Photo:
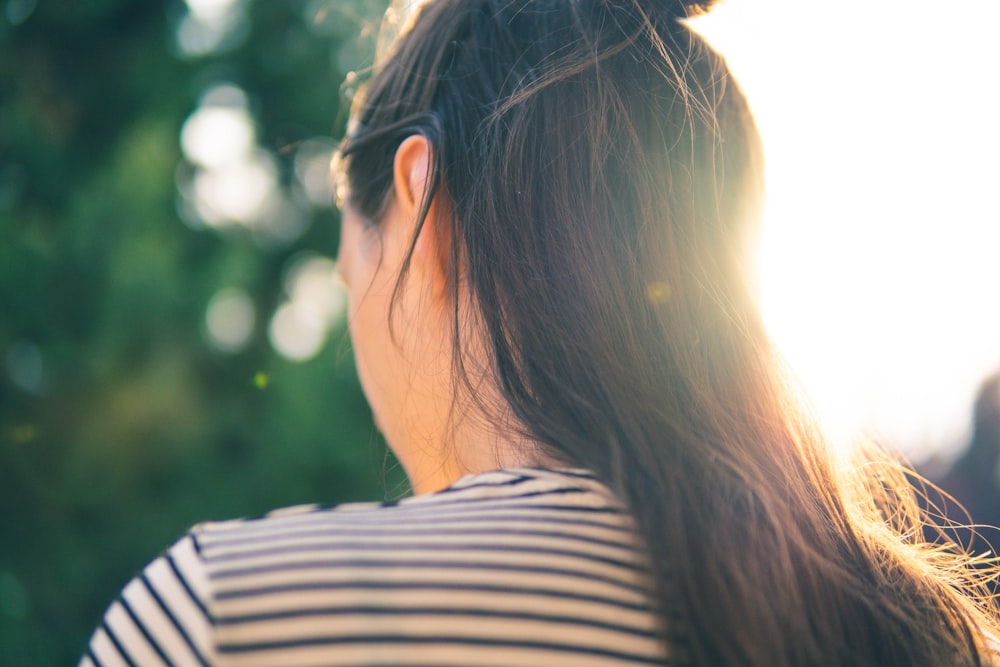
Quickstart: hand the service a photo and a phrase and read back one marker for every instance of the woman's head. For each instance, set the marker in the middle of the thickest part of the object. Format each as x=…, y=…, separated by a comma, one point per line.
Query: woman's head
x=592, y=192
x=550, y=212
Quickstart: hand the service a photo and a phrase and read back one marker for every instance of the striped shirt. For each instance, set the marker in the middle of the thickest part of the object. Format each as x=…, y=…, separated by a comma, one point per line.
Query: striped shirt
x=513, y=567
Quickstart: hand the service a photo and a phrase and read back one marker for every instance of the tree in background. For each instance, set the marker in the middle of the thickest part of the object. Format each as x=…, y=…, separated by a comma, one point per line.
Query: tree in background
x=172, y=345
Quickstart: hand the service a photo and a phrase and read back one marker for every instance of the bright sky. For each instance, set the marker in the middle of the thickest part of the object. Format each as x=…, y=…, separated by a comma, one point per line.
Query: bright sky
x=882, y=249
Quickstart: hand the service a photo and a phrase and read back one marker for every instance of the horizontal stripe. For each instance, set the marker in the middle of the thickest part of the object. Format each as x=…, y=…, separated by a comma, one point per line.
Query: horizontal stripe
x=362, y=585
x=516, y=475
x=482, y=485
x=499, y=617
x=437, y=611
x=262, y=529
x=422, y=502
x=428, y=655
x=312, y=602
x=339, y=538
x=445, y=639
x=370, y=564
x=411, y=549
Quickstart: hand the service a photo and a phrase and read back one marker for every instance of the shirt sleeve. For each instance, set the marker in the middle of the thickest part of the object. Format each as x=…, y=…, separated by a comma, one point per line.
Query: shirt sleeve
x=162, y=617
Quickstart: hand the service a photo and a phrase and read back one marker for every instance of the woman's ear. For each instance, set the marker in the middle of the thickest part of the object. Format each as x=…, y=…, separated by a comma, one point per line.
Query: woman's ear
x=411, y=174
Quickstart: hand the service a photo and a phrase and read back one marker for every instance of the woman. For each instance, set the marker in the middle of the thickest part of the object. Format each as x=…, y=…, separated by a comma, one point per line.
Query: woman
x=549, y=208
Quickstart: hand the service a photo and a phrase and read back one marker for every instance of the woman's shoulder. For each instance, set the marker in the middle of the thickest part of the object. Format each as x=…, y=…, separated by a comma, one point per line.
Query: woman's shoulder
x=515, y=500
x=500, y=566
x=509, y=560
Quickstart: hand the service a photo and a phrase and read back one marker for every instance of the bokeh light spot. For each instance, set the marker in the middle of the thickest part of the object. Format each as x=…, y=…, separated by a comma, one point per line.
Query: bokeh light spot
x=316, y=303
x=229, y=319
x=214, y=137
x=312, y=168
x=24, y=366
x=261, y=380
x=210, y=10
x=23, y=434
x=313, y=283
x=296, y=333
x=18, y=11
x=237, y=192
x=211, y=26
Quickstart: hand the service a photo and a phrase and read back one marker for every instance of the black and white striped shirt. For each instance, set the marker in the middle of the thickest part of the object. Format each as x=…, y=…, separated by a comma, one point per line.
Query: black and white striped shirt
x=514, y=567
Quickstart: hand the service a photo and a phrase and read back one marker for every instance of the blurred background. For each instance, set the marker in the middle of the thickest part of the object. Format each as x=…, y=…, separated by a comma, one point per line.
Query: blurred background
x=172, y=343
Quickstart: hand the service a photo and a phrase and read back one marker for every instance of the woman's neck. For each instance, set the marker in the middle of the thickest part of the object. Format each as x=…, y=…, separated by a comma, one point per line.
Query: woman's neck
x=453, y=461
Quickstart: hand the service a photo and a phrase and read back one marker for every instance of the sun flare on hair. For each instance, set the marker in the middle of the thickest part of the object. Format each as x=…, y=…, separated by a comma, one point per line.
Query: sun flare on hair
x=881, y=252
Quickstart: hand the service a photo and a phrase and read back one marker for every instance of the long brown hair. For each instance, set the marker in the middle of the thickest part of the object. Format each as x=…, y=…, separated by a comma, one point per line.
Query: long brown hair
x=603, y=174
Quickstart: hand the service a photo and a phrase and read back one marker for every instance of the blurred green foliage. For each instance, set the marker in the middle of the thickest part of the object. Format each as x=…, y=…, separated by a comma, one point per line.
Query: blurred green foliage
x=120, y=424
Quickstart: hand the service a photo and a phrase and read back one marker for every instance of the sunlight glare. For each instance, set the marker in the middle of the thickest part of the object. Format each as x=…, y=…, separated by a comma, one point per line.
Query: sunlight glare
x=882, y=235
